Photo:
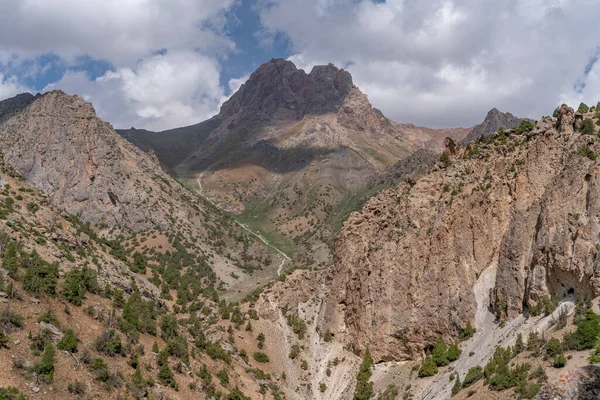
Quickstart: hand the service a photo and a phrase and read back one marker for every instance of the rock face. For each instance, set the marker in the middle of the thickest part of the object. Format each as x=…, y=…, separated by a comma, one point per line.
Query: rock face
x=278, y=89
x=406, y=265
x=59, y=145
x=494, y=120
x=14, y=105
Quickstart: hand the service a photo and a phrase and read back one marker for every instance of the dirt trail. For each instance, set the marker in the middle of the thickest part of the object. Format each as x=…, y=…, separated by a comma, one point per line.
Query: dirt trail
x=257, y=235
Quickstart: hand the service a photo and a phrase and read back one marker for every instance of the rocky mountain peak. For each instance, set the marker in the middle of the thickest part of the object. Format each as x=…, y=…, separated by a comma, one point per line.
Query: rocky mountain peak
x=494, y=120
x=14, y=105
x=278, y=89
x=59, y=145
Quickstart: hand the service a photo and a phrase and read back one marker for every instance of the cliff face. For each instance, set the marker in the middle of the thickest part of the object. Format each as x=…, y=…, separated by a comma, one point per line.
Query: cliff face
x=10, y=107
x=526, y=207
x=60, y=146
x=278, y=89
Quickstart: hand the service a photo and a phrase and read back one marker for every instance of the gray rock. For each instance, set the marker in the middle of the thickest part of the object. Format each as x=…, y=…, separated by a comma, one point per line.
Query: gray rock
x=55, y=332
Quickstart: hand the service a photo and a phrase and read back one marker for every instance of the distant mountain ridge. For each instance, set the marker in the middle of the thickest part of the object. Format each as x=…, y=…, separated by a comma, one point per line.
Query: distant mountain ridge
x=494, y=120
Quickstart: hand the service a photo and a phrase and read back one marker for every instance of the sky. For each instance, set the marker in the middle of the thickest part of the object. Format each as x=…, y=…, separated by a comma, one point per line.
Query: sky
x=160, y=64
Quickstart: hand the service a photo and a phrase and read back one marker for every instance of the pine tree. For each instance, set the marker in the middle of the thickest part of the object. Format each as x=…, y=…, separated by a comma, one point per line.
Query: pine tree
x=45, y=367
x=454, y=352
x=364, y=388
x=68, y=342
x=440, y=356
x=166, y=376
x=457, y=385
x=428, y=367
x=519, y=345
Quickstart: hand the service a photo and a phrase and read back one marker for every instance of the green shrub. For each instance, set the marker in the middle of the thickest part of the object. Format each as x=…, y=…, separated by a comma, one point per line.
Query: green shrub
x=294, y=351
x=11, y=393
x=587, y=127
x=586, y=333
x=586, y=151
x=260, y=357
x=68, y=342
x=364, y=386
x=3, y=339
x=45, y=367
x=439, y=354
x=298, y=325
x=583, y=108
x=595, y=355
x=554, y=347
x=76, y=388
x=428, y=367
x=77, y=283
x=40, y=276
x=559, y=361
x=223, y=377
x=473, y=375
x=444, y=159
x=454, y=352
x=524, y=127
x=457, y=386
x=468, y=332
x=168, y=326
x=109, y=343
x=166, y=376
x=10, y=320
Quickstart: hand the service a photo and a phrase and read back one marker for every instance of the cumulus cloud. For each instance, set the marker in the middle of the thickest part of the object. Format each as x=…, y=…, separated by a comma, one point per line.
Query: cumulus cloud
x=162, y=91
x=9, y=87
x=165, y=55
x=443, y=62
x=121, y=31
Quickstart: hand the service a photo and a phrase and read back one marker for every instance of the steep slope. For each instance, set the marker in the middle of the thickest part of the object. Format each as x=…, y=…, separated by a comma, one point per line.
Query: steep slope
x=14, y=105
x=59, y=278
x=59, y=145
x=524, y=206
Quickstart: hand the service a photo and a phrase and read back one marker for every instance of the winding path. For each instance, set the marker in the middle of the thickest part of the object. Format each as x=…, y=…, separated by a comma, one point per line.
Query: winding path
x=245, y=227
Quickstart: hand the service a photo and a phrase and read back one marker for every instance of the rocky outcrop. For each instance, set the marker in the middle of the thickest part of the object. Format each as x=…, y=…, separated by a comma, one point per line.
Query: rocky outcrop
x=277, y=89
x=406, y=265
x=14, y=105
x=60, y=146
x=581, y=383
x=494, y=120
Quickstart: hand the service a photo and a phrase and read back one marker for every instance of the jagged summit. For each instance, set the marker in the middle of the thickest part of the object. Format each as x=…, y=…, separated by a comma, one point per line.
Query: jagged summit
x=14, y=105
x=279, y=89
x=494, y=120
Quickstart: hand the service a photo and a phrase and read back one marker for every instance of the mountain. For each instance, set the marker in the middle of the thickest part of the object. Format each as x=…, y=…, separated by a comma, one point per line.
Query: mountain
x=290, y=152
x=14, y=105
x=58, y=145
x=118, y=280
x=494, y=120
x=505, y=229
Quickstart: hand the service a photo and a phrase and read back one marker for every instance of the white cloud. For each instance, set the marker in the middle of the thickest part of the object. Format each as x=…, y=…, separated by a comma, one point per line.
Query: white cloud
x=236, y=83
x=162, y=91
x=121, y=31
x=443, y=62
x=9, y=87
x=166, y=54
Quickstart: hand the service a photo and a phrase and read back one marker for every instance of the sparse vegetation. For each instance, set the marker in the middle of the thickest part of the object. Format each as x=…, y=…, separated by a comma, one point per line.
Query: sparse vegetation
x=364, y=386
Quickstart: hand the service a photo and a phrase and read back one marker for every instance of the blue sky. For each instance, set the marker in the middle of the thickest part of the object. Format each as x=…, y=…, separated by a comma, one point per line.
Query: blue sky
x=243, y=26
x=443, y=63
